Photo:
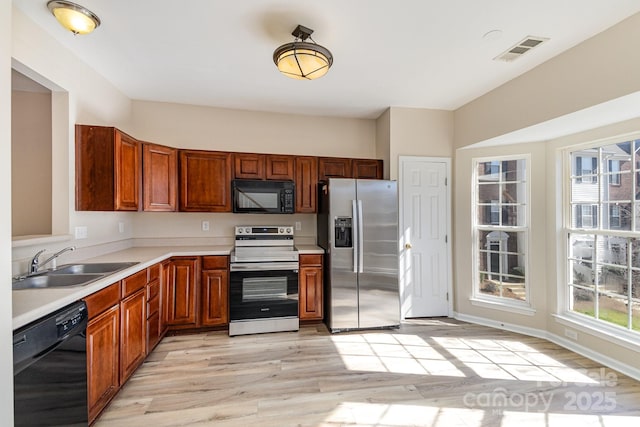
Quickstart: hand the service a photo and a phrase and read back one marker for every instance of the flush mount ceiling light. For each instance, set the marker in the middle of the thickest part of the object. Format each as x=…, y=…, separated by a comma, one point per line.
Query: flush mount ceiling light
x=73, y=17
x=302, y=60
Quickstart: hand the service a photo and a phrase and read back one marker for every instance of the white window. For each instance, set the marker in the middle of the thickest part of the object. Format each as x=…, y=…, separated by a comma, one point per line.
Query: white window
x=501, y=230
x=603, y=277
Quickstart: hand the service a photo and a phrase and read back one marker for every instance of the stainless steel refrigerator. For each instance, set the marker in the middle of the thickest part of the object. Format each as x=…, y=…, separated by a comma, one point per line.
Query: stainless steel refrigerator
x=358, y=228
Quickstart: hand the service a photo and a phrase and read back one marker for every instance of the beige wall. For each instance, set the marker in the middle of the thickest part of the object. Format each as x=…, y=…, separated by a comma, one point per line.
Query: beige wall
x=555, y=250
x=597, y=70
x=419, y=132
x=208, y=128
x=383, y=141
x=463, y=245
x=31, y=163
x=6, y=346
x=79, y=95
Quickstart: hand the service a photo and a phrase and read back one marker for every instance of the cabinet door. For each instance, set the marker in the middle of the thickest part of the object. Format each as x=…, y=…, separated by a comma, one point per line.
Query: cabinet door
x=182, y=292
x=279, y=167
x=127, y=173
x=333, y=167
x=205, y=181
x=310, y=280
x=165, y=274
x=160, y=176
x=306, y=184
x=103, y=360
x=367, y=168
x=249, y=165
x=107, y=169
x=154, y=331
x=133, y=333
x=214, y=297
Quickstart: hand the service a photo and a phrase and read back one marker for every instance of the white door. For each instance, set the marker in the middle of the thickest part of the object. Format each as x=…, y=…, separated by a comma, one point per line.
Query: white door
x=425, y=278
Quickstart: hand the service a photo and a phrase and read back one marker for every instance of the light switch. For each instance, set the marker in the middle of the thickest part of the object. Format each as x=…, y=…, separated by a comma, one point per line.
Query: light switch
x=205, y=225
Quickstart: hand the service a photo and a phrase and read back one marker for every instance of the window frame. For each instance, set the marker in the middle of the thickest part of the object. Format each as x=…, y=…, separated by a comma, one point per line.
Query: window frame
x=626, y=336
x=482, y=299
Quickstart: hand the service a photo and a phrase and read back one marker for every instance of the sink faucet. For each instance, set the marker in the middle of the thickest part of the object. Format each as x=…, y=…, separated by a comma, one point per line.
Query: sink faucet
x=35, y=264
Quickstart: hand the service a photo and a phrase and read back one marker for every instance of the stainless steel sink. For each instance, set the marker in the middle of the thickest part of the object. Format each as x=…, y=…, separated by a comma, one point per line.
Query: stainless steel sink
x=79, y=274
x=55, y=281
x=92, y=268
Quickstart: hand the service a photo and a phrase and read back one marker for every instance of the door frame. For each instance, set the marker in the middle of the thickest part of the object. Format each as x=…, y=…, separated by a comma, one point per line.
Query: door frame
x=447, y=162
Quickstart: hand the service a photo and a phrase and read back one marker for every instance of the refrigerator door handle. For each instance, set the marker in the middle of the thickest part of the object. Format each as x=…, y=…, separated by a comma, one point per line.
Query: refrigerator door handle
x=360, y=239
x=356, y=241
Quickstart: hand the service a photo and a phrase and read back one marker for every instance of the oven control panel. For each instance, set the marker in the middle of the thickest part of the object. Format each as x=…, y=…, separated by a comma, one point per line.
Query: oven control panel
x=261, y=230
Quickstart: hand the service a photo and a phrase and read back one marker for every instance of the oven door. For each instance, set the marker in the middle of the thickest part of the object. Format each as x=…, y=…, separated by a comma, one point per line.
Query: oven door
x=263, y=290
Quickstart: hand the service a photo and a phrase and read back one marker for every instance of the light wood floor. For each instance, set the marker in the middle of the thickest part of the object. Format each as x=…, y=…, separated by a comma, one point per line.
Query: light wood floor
x=428, y=373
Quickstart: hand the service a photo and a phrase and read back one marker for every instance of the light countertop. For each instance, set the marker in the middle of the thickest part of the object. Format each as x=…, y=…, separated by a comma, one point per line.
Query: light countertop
x=31, y=304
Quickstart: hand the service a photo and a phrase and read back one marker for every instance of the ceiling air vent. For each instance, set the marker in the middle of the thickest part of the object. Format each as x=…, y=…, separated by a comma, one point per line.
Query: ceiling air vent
x=520, y=48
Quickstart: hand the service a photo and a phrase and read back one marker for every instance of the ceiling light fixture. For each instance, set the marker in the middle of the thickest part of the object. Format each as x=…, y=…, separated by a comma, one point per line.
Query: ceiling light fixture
x=302, y=60
x=73, y=17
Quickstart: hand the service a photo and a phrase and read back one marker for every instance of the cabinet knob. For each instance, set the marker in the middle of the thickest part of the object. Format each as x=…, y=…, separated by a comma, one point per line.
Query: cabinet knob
x=407, y=246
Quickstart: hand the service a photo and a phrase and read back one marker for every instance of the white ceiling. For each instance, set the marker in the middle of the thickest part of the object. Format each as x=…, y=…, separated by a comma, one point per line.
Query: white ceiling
x=408, y=53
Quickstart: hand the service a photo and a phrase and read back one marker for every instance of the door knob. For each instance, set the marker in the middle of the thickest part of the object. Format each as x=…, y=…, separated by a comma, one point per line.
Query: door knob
x=407, y=245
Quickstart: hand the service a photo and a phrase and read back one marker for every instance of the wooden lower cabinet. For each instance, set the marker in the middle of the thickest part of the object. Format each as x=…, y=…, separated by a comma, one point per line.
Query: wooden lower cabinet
x=182, y=292
x=103, y=360
x=310, y=288
x=133, y=333
x=154, y=324
x=214, y=308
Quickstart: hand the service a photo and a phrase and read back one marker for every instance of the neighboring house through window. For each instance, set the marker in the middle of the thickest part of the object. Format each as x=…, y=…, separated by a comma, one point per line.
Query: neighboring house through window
x=501, y=230
x=603, y=280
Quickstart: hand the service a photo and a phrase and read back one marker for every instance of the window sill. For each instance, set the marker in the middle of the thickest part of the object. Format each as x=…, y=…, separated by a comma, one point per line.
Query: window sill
x=598, y=329
x=511, y=307
x=23, y=241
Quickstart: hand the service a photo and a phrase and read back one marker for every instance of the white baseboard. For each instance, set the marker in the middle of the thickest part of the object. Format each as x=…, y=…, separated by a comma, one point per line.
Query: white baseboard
x=610, y=362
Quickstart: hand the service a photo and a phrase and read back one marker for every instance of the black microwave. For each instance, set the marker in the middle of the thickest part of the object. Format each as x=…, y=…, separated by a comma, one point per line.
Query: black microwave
x=252, y=196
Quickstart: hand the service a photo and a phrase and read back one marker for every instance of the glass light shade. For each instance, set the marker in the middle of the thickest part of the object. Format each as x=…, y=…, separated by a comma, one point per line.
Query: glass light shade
x=303, y=61
x=73, y=17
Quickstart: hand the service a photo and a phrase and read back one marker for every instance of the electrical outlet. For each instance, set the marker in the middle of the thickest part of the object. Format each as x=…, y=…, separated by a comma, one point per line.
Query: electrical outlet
x=81, y=232
x=569, y=333
x=205, y=225
x=121, y=227
x=298, y=226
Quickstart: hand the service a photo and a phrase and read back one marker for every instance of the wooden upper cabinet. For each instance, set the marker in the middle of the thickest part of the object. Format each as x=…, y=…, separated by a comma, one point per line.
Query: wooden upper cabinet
x=306, y=184
x=333, y=167
x=249, y=165
x=108, y=169
x=279, y=167
x=367, y=168
x=159, y=178
x=205, y=181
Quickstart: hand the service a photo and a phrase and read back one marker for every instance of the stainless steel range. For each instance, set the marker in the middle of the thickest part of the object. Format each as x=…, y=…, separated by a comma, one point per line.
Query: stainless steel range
x=263, y=290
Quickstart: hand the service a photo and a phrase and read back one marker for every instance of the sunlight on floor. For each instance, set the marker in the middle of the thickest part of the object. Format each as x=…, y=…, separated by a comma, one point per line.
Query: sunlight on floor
x=372, y=414
x=486, y=358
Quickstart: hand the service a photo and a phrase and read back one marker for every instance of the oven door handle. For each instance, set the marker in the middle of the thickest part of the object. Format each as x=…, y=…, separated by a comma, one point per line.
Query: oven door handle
x=265, y=266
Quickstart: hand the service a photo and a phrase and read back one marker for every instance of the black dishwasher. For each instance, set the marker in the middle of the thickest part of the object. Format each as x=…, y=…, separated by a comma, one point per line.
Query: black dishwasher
x=50, y=369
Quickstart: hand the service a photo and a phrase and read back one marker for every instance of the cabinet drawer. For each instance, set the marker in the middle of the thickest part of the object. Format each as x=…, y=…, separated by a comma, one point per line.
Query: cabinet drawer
x=310, y=260
x=133, y=283
x=215, y=262
x=153, y=290
x=153, y=307
x=154, y=272
x=103, y=299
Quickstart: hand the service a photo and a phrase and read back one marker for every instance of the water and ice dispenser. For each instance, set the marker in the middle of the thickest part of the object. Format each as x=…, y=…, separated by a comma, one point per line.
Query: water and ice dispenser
x=343, y=233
